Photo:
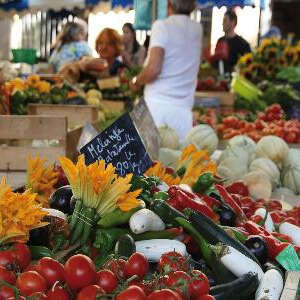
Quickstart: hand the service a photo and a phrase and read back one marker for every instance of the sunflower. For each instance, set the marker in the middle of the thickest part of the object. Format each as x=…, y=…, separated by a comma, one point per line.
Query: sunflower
x=159, y=171
x=14, y=85
x=247, y=73
x=43, y=87
x=19, y=213
x=246, y=60
x=257, y=70
x=41, y=179
x=283, y=62
x=290, y=55
x=264, y=44
x=271, y=53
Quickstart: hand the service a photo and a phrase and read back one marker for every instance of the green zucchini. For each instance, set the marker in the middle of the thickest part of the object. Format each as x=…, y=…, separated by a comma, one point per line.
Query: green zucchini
x=238, y=289
x=166, y=212
x=125, y=246
x=215, y=234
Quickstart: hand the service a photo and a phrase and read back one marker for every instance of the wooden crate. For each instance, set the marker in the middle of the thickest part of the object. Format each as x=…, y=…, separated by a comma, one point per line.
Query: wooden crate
x=225, y=98
x=116, y=106
x=77, y=115
x=28, y=128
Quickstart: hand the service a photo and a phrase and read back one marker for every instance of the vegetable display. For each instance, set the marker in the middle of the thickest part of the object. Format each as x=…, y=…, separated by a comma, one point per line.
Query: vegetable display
x=185, y=233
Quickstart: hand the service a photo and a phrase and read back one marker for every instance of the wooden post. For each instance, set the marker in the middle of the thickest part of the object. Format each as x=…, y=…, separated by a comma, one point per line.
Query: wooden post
x=154, y=10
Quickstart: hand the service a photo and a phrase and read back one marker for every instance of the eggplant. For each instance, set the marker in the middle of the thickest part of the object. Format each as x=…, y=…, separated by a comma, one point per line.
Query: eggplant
x=61, y=199
x=39, y=236
x=258, y=247
x=227, y=215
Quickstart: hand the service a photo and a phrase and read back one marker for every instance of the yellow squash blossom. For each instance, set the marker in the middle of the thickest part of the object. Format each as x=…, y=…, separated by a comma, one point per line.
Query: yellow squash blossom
x=159, y=171
x=41, y=179
x=99, y=187
x=19, y=213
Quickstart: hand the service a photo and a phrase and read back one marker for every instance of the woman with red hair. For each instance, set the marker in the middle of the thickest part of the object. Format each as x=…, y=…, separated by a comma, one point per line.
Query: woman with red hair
x=109, y=47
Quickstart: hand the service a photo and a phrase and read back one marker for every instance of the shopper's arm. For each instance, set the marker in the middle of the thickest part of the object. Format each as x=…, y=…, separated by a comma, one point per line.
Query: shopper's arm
x=152, y=69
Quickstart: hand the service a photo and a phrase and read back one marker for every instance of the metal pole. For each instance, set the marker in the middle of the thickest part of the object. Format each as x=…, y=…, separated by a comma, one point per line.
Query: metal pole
x=154, y=10
x=259, y=26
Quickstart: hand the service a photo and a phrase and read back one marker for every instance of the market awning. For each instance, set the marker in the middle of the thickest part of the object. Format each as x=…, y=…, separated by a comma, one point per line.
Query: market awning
x=203, y=3
x=12, y=6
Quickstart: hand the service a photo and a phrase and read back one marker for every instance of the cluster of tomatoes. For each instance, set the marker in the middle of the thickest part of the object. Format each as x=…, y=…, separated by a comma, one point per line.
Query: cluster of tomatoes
x=119, y=279
x=269, y=122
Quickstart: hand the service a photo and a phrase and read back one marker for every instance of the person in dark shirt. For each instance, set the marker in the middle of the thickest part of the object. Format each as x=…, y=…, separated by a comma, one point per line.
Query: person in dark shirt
x=236, y=45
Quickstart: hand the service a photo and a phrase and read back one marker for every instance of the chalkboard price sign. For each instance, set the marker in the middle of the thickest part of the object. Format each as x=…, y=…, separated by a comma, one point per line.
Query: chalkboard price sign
x=121, y=145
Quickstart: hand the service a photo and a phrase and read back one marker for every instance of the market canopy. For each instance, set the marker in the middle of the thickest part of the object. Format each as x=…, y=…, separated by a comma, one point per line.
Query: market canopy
x=35, y=5
x=202, y=3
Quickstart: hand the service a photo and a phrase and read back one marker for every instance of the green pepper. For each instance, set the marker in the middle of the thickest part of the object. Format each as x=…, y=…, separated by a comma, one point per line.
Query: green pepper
x=161, y=196
x=204, y=182
x=105, y=239
x=118, y=217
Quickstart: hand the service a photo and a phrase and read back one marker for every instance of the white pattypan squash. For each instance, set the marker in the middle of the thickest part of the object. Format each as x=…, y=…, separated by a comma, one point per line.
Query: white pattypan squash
x=291, y=171
x=259, y=185
x=272, y=147
x=168, y=137
x=268, y=167
x=203, y=137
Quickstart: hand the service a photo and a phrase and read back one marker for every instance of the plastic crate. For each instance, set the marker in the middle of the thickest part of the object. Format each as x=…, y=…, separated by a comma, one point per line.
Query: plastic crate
x=24, y=56
x=245, y=88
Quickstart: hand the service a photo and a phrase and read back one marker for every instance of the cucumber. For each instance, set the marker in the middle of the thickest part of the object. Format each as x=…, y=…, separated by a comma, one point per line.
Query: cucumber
x=238, y=289
x=215, y=234
x=166, y=212
x=125, y=246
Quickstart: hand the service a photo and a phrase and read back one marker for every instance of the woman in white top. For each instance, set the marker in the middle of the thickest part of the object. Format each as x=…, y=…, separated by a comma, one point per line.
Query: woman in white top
x=170, y=74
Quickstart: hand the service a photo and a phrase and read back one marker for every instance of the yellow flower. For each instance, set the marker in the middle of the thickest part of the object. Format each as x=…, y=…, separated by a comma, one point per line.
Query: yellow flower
x=98, y=186
x=16, y=84
x=199, y=162
x=246, y=59
x=33, y=80
x=271, y=53
x=290, y=55
x=159, y=171
x=43, y=87
x=19, y=214
x=41, y=179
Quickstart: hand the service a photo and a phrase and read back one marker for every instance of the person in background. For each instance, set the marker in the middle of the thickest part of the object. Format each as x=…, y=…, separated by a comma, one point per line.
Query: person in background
x=146, y=43
x=109, y=46
x=236, y=45
x=172, y=65
x=133, y=54
x=70, y=46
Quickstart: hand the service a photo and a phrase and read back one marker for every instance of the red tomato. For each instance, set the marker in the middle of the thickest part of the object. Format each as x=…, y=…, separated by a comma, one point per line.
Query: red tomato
x=205, y=297
x=80, y=271
x=32, y=267
x=171, y=262
x=38, y=296
x=199, y=284
x=31, y=282
x=137, y=264
x=22, y=255
x=145, y=286
x=7, y=276
x=117, y=266
x=51, y=270
x=7, y=260
x=132, y=293
x=107, y=280
x=90, y=292
x=6, y=292
x=164, y=294
x=179, y=280
x=57, y=293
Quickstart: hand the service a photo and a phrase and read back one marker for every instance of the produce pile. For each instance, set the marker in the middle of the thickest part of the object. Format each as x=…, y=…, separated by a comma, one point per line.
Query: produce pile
x=212, y=84
x=269, y=122
x=175, y=233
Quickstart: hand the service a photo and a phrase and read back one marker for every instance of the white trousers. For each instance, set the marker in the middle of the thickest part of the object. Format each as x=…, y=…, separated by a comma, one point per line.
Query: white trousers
x=178, y=117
